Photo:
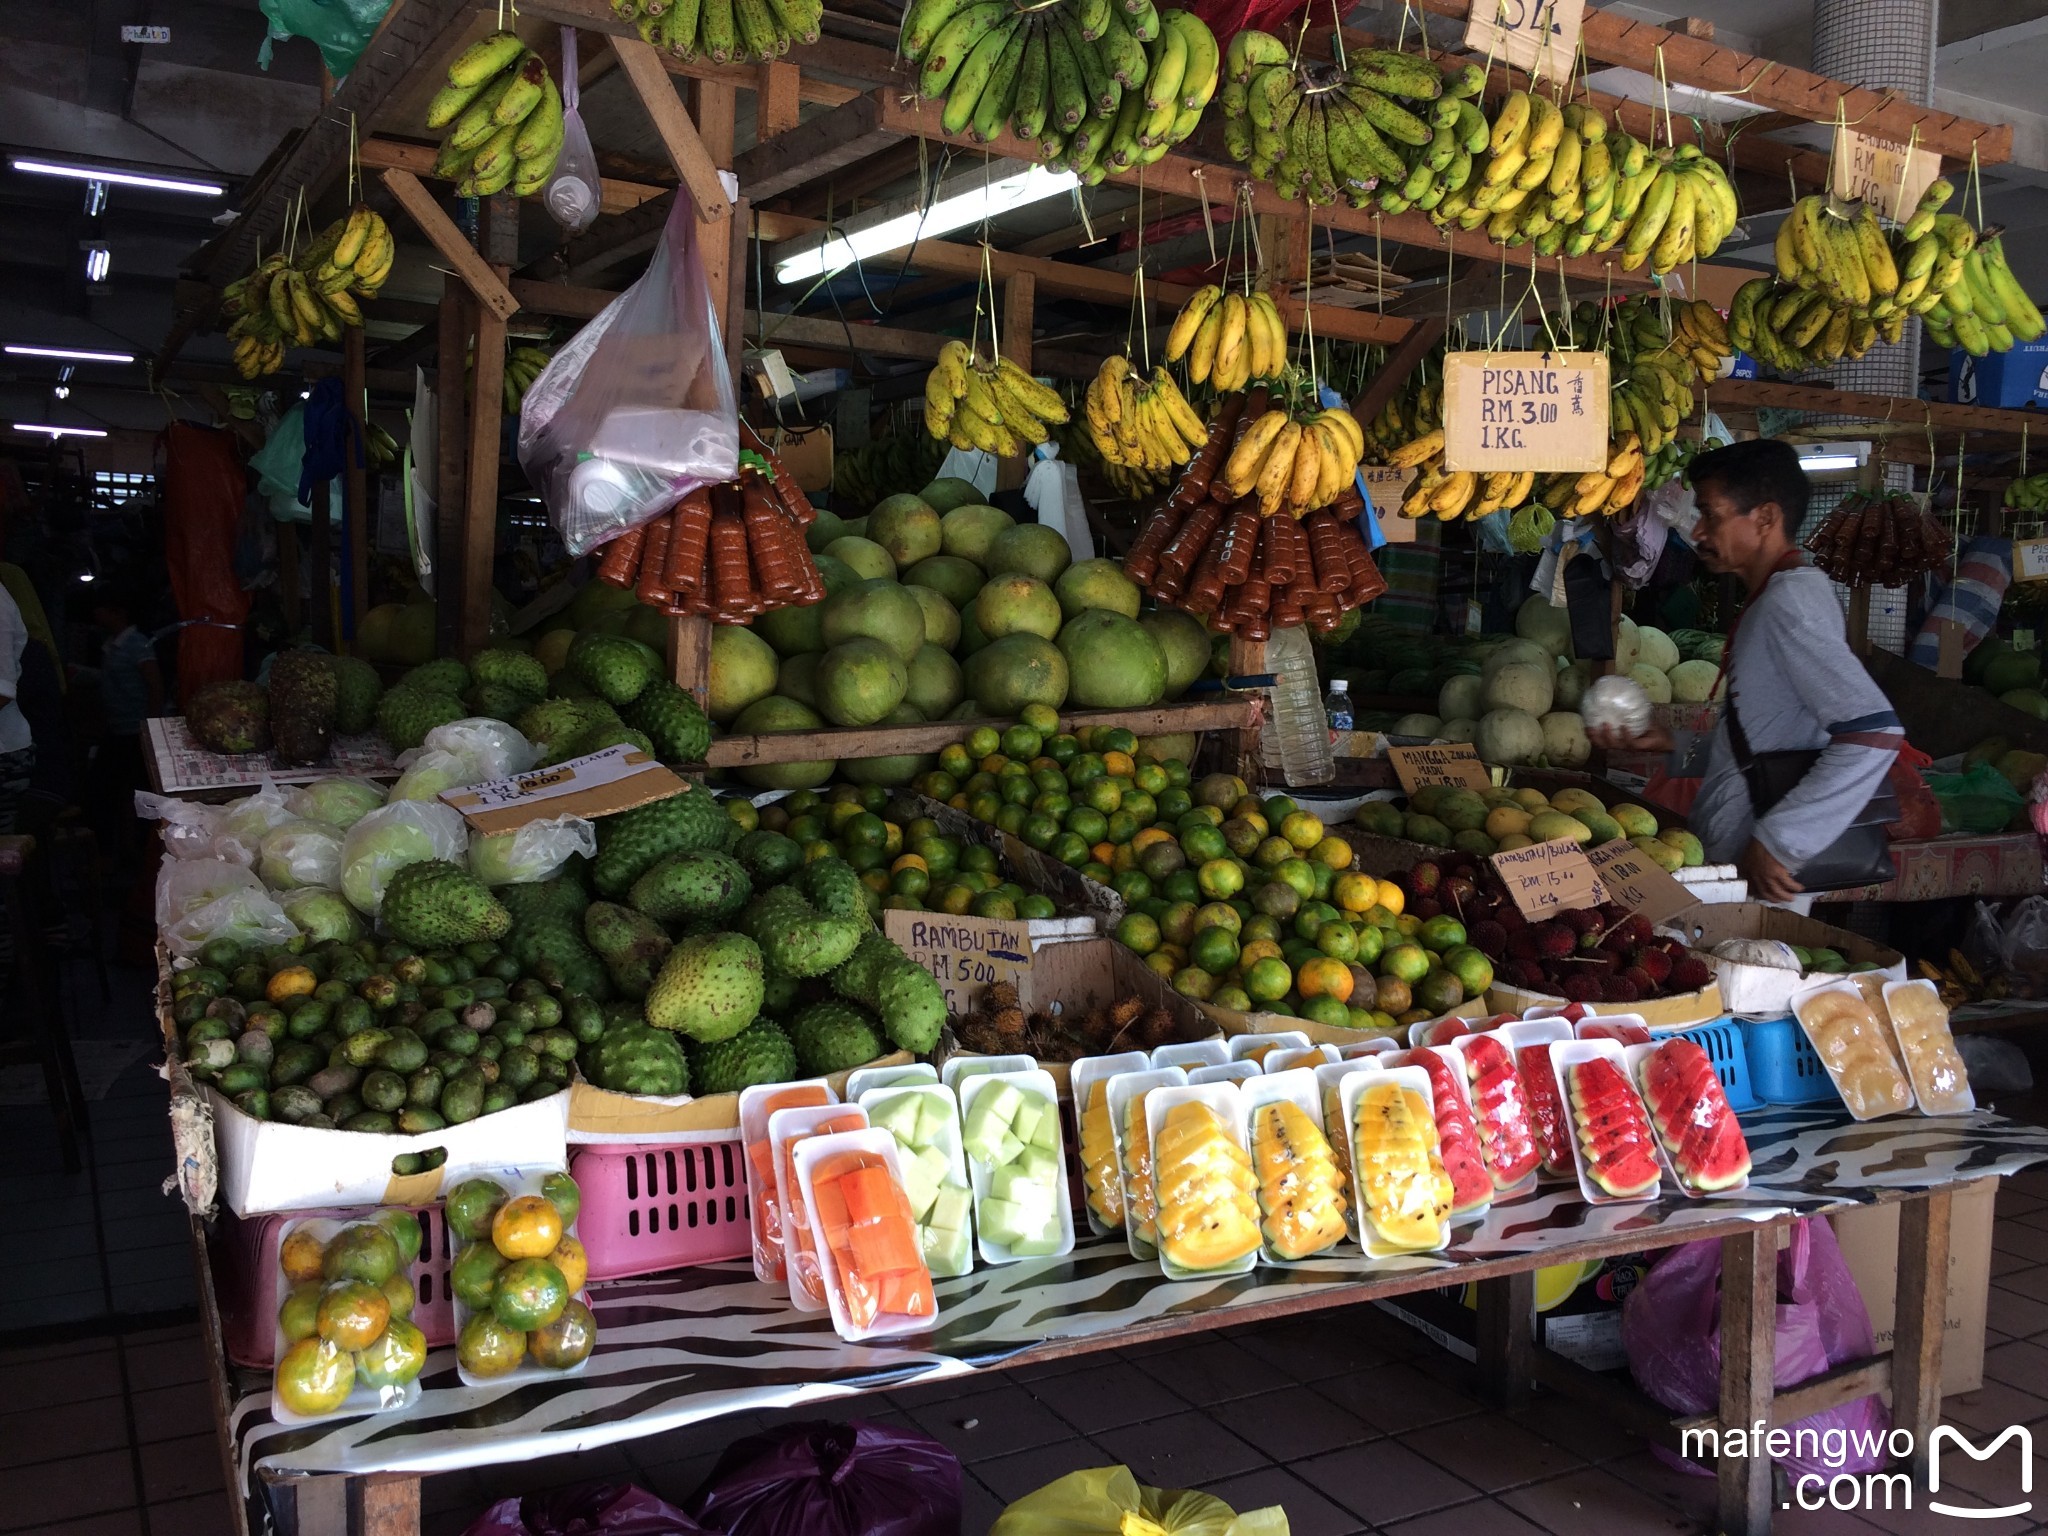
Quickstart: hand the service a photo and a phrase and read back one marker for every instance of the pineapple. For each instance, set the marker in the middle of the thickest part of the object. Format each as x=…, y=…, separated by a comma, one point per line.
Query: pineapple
x=1141, y=1209
x=1300, y=1190
x=1208, y=1217
x=1098, y=1159
x=1403, y=1188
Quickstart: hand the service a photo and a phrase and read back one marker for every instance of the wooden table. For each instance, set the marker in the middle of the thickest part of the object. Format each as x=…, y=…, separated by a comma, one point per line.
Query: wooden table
x=693, y=1345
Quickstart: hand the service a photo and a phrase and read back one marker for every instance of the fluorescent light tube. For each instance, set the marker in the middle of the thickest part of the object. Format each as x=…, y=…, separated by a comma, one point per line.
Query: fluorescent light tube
x=31, y=426
x=119, y=178
x=966, y=202
x=70, y=354
x=1818, y=462
x=98, y=262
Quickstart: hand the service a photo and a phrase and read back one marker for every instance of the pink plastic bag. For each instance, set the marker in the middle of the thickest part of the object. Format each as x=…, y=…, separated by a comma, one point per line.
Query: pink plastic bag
x=1670, y=1326
x=585, y=1509
x=637, y=409
x=829, y=1479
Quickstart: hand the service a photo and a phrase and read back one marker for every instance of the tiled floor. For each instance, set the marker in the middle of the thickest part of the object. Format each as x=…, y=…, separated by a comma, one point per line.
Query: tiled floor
x=1350, y=1420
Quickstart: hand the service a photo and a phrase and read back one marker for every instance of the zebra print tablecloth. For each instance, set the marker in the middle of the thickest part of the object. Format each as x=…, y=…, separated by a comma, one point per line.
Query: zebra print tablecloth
x=679, y=1348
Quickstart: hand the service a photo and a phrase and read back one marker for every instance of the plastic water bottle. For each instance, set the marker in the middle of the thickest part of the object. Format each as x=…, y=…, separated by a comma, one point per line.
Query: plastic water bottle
x=1337, y=707
x=1299, y=721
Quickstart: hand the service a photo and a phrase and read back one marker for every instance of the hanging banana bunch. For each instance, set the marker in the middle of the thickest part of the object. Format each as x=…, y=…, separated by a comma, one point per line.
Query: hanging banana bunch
x=380, y=449
x=503, y=113
x=724, y=31
x=523, y=364
x=295, y=303
x=1294, y=460
x=1139, y=422
x=1101, y=85
x=1229, y=339
x=996, y=407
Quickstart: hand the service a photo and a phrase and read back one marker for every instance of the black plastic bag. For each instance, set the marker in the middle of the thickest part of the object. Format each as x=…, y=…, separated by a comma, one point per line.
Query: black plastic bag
x=585, y=1509
x=829, y=1479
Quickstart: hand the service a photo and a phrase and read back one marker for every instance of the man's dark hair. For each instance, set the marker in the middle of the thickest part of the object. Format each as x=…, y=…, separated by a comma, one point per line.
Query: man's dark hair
x=1756, y=471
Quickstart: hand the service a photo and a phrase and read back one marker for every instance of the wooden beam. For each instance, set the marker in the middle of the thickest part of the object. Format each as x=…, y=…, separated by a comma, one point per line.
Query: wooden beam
x=615, y=196
x=1019, y=301
x=480, y=517
x=1920, y=1318
x=778, y=103
x=830, y=335
x=884, y=741
x=1412, y=349
x=451, y=462
x=564, y=299
x=476, y=273
x=686, y=151
x=801, y=155
x=356, y=481
x=1899, y=411
x=1612, y=38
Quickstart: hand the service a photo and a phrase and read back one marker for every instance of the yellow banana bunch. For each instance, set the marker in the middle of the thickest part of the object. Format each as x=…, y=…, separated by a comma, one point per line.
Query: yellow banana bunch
x=1229, y=339
x=296, y=303
x=1295, y=463
x=1141, y=423
x=380, y=449
x=996, y=407
x=503, y=116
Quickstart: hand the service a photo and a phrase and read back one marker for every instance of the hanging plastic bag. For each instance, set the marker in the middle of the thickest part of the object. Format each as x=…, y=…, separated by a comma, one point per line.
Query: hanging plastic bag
x=340, y=29
x=1671, y=1328
x=280, y=462
x=200, y=900
x=1110, y=1501
x=637, y=409
x=1978, y=800
x=300, y=852
x=573, y=194
x=244, y=823
x=532, y=852
x=490, y=749
x=385, y=841
x=2020, y=945
x=188, y=830
x=826, y=1479
x=585, y=1509
x=1919, y=812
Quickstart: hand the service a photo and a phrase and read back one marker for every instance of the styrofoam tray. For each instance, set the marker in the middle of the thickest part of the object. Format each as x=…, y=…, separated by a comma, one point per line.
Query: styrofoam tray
x=1360, y=1049
x=1299, y=1056
x=1122, y=1089
x=1227, y=1072
x=764, y=1215
x=1196, y=1053
x=1227, y=1100
x=1336, y=1129
x=1592, y=1027
x=362, y=1397
x=1039, y=1083
x=959, y=1066
x=1458, y=1047
x=525, y=1183
x=1082, y=1076
x=1540, y=1034
x=949, y=1143
x=809, y=1153
x=1456, y=1064
x=1296, y=1086
x=1242, y=1046
x=1563, y=1055
x=1637, y=1056
x=862, y=1080
x=802, y=1267
x=1354, y=1087
x=1829, y=1060
x=1918, y=1073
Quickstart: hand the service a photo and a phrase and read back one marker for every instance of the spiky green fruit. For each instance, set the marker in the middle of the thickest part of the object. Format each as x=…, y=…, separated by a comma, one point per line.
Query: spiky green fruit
x=638, y=1058
x=632, y=842
x=795, y=936
x=679, y=729
x=445, y=675
x=631, y=944
x=405, y=715
x=357, y=688
x=709, y=988
x=701, y=884
x=833, y=1036
x=761, y=1054
x=505, y=668
x=435, y=904
x=613, y=667
x=302, y=705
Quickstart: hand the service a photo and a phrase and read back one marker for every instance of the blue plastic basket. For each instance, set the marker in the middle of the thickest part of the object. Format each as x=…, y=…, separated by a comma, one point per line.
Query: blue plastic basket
x=1783, y=1067
x=1723, y=1043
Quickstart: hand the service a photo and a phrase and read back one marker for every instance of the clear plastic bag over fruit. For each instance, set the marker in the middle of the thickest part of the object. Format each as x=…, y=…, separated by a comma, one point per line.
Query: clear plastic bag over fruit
x=637, y=409
x=188, y=830
x=200, y=900
x=1618, y=703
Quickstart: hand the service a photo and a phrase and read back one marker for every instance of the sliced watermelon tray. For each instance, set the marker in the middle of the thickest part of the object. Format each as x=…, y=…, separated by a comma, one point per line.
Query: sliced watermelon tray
x=1695, y=1125
x=1612, y=1139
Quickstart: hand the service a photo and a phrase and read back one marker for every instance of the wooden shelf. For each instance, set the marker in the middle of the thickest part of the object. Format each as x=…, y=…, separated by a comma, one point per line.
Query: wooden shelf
x=1901, y=412
x=895, y=740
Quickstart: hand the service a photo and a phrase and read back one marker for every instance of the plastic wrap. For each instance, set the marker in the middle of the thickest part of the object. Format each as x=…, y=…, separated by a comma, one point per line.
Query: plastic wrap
x=573, y=195
x=1978, y=800
x=188, y=830
x=532, y=852
x=828, y=1479
x=300, y=852
x=340, y=802
x=1619, y=703
x=244, y=823
x=322, y=914
x=637, y=409
x=490, y=748
x=200, y=900
x=388, y=839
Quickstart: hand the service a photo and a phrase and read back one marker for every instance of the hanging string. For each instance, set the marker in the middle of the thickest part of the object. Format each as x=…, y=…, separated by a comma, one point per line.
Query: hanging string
x=1208, y=225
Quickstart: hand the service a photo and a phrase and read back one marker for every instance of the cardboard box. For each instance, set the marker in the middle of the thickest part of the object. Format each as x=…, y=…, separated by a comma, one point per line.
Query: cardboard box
x=1675, y=1012
x=1758, y=991
x=1869, y=1237
x=597, y=1115
x=2006, y=379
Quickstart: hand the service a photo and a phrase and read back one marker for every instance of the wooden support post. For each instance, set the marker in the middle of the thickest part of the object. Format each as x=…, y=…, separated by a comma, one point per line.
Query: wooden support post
x=777, y=108
x=1749, y=1347
x=1507, y=1337
x=1859, y=619
x=288, y=575
x=482, y=280
x=1020, y=295
x=320, y=556
x=1921, y=1315
x=691, y=149
x=356, y=483
x=451, y=461
x=390, y=1506
x=1241, y=746
x=480, y=515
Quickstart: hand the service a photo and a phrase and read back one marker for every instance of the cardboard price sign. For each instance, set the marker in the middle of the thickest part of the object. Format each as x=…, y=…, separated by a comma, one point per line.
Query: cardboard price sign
x=1547, y=878
x=964, y=954
x=1540, y=36
x=1631, y=877
x=1453, y=763
x=1888, y=176
x=1544, y=411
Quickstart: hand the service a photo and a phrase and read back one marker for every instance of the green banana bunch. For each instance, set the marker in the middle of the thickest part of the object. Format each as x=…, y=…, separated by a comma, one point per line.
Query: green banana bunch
x=523, y=364
x=380, y=449
x=1101, y=86
x=311, y=297
x=503, y=113
x=724, y=31
x=884, y=466
x=2029, y=494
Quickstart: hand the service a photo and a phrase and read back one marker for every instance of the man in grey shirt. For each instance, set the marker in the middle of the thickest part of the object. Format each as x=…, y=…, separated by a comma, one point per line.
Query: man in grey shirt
x=1790, y=672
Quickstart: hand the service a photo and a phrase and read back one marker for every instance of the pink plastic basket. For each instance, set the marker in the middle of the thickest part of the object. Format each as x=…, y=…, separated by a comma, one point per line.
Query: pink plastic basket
x=246, y=1277
x=655, y=1206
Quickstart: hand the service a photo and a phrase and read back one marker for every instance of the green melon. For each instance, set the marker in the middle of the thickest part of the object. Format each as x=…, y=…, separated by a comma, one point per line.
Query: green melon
x=1016, y=604
x=743, y=669
x=969, y=529
x=1006, y=674
x=860, y=681
x=941, y=618
x=1114, y=663
x=949, y=492
x=906, y=527
x=935, y=682
x=879, y=610
x=896, y=771
x=793, y=630
x=779, y=714
x=1183, y=641
x=797, y=678
x=1032, y=548
x=865, y=556
x=1096, y=584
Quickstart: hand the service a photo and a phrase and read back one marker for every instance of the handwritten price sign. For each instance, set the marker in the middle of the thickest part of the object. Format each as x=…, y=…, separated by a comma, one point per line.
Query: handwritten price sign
x=1876, y=171
x=1547, y=878
x=965, y=955
x=1629, y=876
x=1453, y=763
x=1544, y=411
x=1540, y=36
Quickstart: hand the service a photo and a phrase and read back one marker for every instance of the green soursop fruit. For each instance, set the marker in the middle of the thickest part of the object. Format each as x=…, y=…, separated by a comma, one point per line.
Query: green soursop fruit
x=709, y=988
x=496, y=701
x=444, y=676
x=230, y=717
x=631, y=945
x=435, y=904
x=302, y=705
x=700, y=884
x=614, y=668
x=796, y=937
x=603, y=735
x=513, y=670
x=860, y=977
x=779, y=992
x=551, y=948
x=638, y=1058
x=758, y=1055
x=563, y=896
x=679, y=729
x=769, y=857
x=881, y=977
x=833, y=1037
x=633, y=842
x=553, y=724
x=406, y=714
x=357, y=688
x=835, y=889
